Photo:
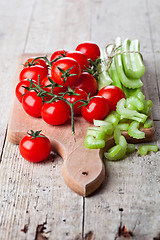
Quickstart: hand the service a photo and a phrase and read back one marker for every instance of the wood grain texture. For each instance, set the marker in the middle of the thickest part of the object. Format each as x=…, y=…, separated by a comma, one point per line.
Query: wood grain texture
x=33, y=197
x=130, y=194
x=27, y=213
x=13, y=30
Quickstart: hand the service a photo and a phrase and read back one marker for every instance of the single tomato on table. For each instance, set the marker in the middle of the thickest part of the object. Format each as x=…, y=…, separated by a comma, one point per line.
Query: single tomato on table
x=75, y=95
x=35, y=147
x=88, y=83
x=112, y=94
x=97, y=109
x=66, y=71
x=33, y=72
x=55, y=113
x=89, y=49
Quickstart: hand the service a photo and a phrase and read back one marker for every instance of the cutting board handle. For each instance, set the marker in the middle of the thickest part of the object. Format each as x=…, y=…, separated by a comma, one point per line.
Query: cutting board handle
x=83, y=170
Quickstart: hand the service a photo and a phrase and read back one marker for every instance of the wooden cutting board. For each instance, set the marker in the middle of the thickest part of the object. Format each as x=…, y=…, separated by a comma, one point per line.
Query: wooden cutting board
x=83, y=169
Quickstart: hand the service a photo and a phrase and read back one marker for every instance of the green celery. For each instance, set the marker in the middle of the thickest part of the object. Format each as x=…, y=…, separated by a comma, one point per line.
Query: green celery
x=103, y=76
x=93, y=143
x=148, y=123
x=107, y=126
x=123, y=126
x=131, y=92
x=147, y=107
x=114, y=75
x=141, y=96
x=113, y=118
x=130, y=148
x=95, y=133
x=129, y=114
x=127, y=82
x=136, y=59
x=134, y=132
x=117, y=153
x=113, y=151
x=144, y=149
x=134, y=103
x=132, y=62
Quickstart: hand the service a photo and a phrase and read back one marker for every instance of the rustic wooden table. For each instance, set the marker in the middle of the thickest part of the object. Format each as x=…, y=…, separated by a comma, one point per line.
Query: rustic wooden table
x=35, y=203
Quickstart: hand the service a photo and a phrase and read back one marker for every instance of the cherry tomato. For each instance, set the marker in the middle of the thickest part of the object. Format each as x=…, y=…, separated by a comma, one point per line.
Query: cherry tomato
x=33, y=72
x=58, y=54
x=75, y=95
x=97, y=109
x=38, y=61
x=35, y=149
x=32, y=104
x=20, y=90
x=70, y=66
x=55, y=89
x=55, y=113
x=80, y=58
x=112, y=94
x=88, y=83
x=90, y=49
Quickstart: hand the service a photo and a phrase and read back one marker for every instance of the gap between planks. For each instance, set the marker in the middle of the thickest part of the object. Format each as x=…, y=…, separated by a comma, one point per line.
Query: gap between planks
x=153, y=51
x=3, y=145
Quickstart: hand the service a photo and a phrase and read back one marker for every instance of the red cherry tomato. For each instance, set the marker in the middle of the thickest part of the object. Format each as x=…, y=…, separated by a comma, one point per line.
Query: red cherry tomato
x=80, y=58
x=55, y=113
x=58, y=54
x=35, y=149
x=70, y=66
x=88, y=83
x=33, y=72
x=32, y=104
x=112, y=94
x=90, y=49
x=38, y=61
x=77, y=94
x=20, y=90
x=97, y=109
x=55, y=90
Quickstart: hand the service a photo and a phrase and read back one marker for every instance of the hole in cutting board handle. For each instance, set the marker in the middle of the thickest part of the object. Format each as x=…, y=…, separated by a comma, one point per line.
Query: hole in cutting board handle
x=85, y=173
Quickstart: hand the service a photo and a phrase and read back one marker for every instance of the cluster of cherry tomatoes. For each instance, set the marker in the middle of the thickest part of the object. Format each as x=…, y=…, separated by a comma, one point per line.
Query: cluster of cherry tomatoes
x=62, y=86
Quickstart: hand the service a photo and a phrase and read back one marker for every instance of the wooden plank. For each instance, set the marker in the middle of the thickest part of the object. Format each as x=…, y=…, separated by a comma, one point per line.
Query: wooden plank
x=153, y=17
x=66, y=23
x=13, y=30
x=129, y=195
x=103, y=210
x=35, y=194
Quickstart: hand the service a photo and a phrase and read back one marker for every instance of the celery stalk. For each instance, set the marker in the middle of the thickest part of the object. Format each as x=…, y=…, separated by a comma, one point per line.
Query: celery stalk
x=103, y=76
x=129, y=114
x=127, y=82
x=144, y=149
x=134, y=132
